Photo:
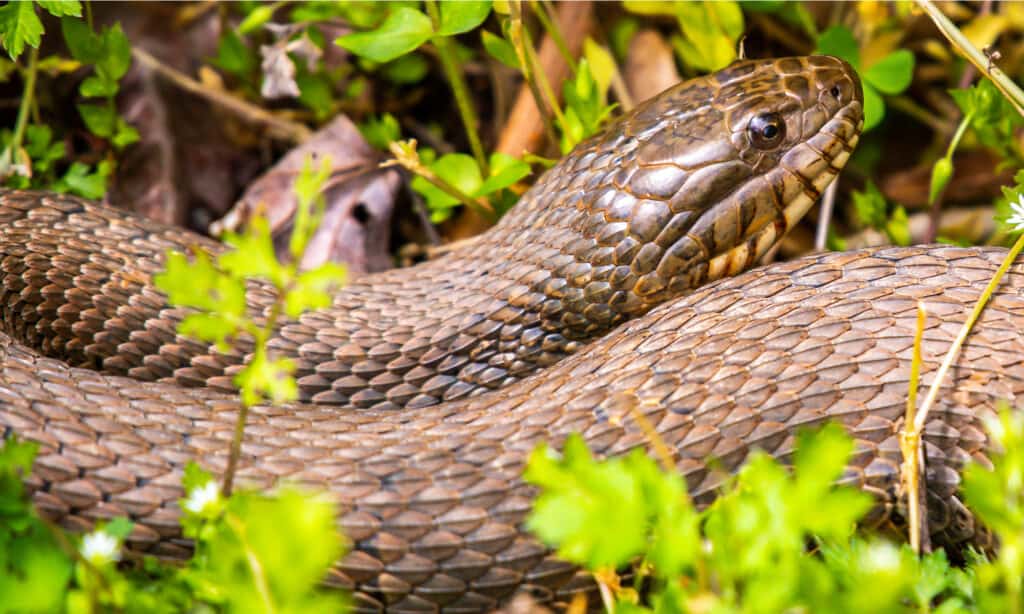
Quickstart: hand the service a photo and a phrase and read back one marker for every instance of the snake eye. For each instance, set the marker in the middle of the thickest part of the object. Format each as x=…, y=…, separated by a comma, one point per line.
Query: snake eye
x=766, y=130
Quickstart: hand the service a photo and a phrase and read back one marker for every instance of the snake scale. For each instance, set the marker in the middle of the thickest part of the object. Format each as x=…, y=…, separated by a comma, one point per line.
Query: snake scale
x=605, y=291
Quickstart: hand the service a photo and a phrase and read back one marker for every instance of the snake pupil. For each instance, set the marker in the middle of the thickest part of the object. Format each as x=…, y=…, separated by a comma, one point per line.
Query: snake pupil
x=766, y=130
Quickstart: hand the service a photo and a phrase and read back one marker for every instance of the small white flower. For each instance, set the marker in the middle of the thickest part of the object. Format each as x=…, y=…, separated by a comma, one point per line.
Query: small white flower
x=1017, y=219
x=200, y=498
x=100, y=548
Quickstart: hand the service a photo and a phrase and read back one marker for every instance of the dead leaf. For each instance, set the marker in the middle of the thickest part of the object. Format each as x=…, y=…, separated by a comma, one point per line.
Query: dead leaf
x=360, y=198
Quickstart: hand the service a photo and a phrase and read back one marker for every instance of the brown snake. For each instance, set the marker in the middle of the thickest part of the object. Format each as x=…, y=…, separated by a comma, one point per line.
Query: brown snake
x=399, y=422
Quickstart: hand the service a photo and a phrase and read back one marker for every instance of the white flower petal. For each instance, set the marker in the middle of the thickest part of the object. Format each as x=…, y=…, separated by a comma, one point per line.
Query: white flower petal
x=100, y=547
x=201, y=497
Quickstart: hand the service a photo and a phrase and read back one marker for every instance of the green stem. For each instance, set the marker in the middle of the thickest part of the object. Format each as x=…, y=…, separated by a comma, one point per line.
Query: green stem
x=974, y=56
x=261, y=336
x=520, y=41
x=545, y=14
x=959, y=134
x=27, y=95
x=542, y=79
x=954, y=349
x=459, y=89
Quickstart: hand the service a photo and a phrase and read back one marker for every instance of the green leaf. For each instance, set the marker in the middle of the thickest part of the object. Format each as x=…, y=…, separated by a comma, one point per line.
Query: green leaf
x=268, y=379
x=59, y=8
x=459, y=170
x=408, y=69
x=84, y=46
x=821, y=457
x=125, y=134
x=100, y=119
x=898, y=226
x=270, y=553
x=710, y=31
x=194, y=476
x=17, y=456
x=312, y=289
x=96, y=87
x=874, y=107
x=463, y=16
x=404, y=30
x=79, y=180
x=650, y=7
x=500, y=49
x=254, y=255
x=580, y=498
x=117, y=54
x=380, y=131
x=942, y=172
x=893, y=73
x=870, y=206
x=256, y=18
x=234, y=56
x=315, y=92
x=840, y=42
x=119, y=527
x=505, y=171
x=19, y=26
x=601, y=64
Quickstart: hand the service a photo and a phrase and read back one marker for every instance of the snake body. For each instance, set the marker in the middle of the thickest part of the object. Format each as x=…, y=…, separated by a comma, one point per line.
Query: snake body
x=424, y=389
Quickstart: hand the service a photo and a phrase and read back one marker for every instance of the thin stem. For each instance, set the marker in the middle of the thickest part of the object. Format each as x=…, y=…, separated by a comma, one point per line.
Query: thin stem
x=408, y=158
x=954, y=349
x=936, y=206
x=542, y=78
x=277, y=126
x=910, y=439
x=261, y=335
x=974, y=56
x=27, y=96
x=458, y=84
x=828, y=203
x=521, y=42
x=542, y=9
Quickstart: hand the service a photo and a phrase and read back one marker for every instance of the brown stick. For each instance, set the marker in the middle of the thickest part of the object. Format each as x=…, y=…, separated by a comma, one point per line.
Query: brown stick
x=276, y=126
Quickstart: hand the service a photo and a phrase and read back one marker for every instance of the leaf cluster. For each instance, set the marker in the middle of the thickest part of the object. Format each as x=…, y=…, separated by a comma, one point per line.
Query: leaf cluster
x=254, y=553
x=775, y=540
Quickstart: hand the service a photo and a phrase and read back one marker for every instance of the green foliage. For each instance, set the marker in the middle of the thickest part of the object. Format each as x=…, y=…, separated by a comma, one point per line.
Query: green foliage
x=710, y=30
x=381, y=131
x=873, y=210
x=32, y=157
x=890, y=75
x=403, y=31
x=992, y=118
x=254, y=553
x=748, y=552
x=110, y=55
x=20, y=25
x=259, y=553
x=217, y=288
x=462, y=172
x=500, y=49
x=996, y=495
x=585, y=108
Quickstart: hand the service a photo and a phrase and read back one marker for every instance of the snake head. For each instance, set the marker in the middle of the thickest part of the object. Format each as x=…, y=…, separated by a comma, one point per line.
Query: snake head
x=700, y=181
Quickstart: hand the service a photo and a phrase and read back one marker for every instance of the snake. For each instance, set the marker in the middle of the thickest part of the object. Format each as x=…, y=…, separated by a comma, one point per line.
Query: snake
x=624, y=286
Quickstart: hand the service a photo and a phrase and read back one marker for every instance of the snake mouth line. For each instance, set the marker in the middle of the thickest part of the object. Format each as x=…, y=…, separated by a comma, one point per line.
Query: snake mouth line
x=759, y=241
